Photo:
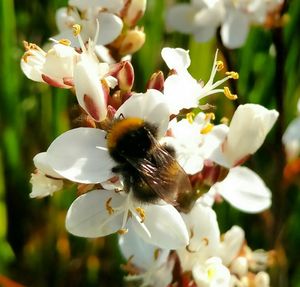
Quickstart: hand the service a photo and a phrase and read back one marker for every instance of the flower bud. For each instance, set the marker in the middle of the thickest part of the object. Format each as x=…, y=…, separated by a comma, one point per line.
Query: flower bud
x=133, y=11
x=131, y=41
x=262, y=279
x=156, y=81
x=124, y=73
x=239, y=266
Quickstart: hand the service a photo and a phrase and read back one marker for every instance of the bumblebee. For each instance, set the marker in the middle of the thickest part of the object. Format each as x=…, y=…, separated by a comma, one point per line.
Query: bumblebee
x=148, y=168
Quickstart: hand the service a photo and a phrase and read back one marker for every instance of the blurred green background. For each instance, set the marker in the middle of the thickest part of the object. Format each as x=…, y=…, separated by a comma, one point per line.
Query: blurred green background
x=35, y=249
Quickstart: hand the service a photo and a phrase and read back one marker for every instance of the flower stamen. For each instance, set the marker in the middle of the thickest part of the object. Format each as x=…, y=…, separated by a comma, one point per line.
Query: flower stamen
x=229, y=95
x=210, y=116
x=65, y=42
x=141, y=213
x=233, y=75
x=108, y=207
x=190, y=117
x=207, y=129
x=219, y=65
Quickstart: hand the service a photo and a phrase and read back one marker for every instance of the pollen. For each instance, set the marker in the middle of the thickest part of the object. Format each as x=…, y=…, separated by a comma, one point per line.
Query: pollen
x=122, y=231
x=211, y=273
x=224, y=121
x=210, y=116
x=229, y=95
x=207, y=129
x=233, y=75
x=76, y=29
x=156, y=253
x=141, y=213
x=205, y=241
x=65, y=42
x=220, y=65
x=26, y=55
x=108, y=207
x=190, y=117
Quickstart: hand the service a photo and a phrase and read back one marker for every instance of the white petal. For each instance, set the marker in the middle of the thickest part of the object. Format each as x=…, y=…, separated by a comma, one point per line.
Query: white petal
x=81, y=155
x=202, y=222
x=89, y=91
x=244, y=190
x=142, y=253
x=212, y=273
x=181, y=18
x=149, y=106
x=110, y=28
x=165, y=225
x=248, y=129
x=177, y=59
x=42, y=164
x=43, y=186
x=231, y=244
x=88, y=215
x=235, y=29
x=205, y=34
x=181, y=91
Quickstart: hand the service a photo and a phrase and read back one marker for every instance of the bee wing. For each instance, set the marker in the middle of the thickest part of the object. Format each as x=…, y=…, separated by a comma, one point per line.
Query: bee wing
x=164, y=175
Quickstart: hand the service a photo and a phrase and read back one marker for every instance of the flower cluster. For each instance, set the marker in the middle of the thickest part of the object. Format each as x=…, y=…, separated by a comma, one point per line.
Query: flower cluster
x=150, y=165
x=202, y=18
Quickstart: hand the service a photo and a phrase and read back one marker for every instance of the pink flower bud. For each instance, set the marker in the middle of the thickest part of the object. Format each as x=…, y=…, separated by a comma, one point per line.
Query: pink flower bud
x=124, y=73
x=156, y=81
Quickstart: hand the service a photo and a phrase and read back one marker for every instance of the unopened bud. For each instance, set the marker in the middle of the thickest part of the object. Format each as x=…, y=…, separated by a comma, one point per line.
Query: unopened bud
x=124, y=73
x=239, y=266
x=262, y=279
x=133, y=11
x=131, y=41
x=156, y=81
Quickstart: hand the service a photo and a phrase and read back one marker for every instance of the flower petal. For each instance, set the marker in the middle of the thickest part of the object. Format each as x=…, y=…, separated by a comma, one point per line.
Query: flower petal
x=244, y=190
x=165, y=225
x=81, y=155
x=42, y=164
x=177, y=59
x=111, y=27
x=149, y=106
x=88, y=215
x=234, y=29
x=142, y=253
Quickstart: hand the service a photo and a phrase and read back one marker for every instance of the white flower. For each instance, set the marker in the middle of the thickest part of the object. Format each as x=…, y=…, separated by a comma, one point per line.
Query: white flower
x=181, y=89
x=244, y=190
x=200, y=18
x=231, y=244
x=155, y=267
x=291, y=137
x=110, y=25
x=194, y=141
x=54, y=67
x=112, y=6
x=204, y=232
x=248, y=129
x=102, y=212
x=45, y=181
x=211, y=274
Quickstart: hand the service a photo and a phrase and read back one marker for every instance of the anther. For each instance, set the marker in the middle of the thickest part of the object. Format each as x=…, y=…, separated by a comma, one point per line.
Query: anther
x=220, y=65
x=210, y=116
x=141, y=213
x=156, y=253
x=190, y=117
x=76, y=29
x=122, y=231
x=65, y=42
x=224, y=121
x=229, y=95
x=233, y=75
x=207, y=129
x=108, y=207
